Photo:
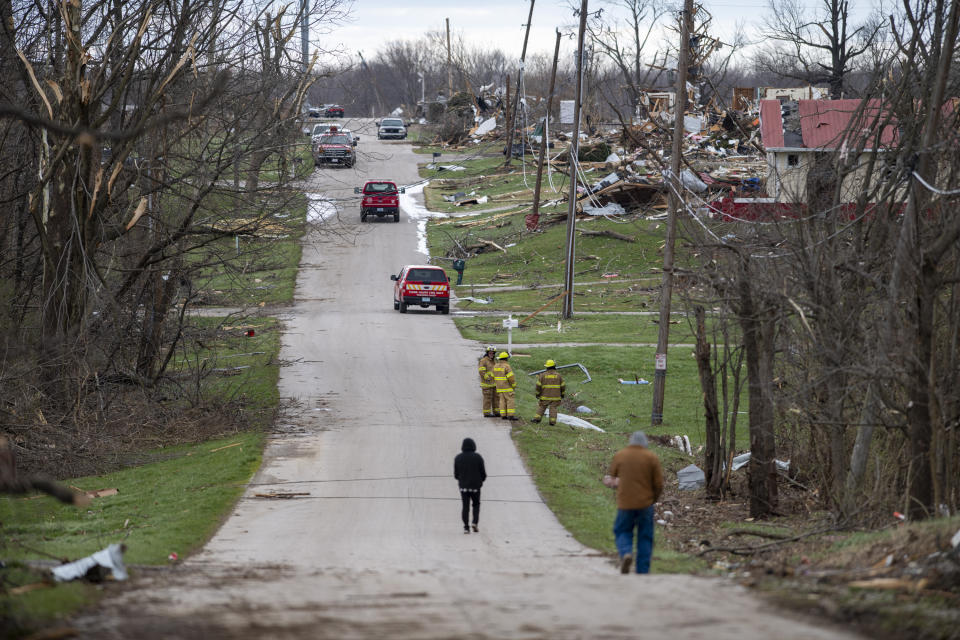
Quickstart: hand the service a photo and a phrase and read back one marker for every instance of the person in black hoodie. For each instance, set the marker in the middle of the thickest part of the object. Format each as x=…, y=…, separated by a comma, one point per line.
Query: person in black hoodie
x=469, y=471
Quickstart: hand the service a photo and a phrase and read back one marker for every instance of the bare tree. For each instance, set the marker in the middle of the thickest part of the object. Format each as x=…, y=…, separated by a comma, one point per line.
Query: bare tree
x=130, y=117
x=815, y=45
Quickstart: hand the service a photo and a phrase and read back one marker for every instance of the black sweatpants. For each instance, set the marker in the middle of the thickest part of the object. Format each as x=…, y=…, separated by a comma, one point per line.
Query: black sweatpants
x=468, y=496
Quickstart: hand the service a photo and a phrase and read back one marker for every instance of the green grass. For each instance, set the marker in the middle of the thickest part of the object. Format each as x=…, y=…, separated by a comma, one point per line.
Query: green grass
x=539, y=258
x=232, y=366
x=621, y=408
x=582, y=328
x=176, y=497
x=173, y=504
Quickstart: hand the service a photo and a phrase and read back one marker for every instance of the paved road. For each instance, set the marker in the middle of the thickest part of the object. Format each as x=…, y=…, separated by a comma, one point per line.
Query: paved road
x=376, y=549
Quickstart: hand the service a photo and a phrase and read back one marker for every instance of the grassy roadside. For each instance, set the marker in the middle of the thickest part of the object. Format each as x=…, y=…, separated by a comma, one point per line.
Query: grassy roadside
x=171, y=497
x=172, y=505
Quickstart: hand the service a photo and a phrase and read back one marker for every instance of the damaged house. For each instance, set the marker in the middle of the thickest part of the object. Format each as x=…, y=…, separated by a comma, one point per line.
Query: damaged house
x=802, y=140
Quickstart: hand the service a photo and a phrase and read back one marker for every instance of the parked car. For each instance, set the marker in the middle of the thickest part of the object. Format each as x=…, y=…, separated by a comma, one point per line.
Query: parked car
x=335, y=148
x=380, y=198
x=423, y=285
x=391, y=128
x=333, y=111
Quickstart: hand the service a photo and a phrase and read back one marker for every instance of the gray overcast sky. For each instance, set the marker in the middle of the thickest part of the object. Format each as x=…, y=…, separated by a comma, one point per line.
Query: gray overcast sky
x=499, y=23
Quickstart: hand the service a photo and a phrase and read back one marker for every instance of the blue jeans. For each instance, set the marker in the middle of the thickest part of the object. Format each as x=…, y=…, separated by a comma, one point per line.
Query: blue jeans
x=641, y=520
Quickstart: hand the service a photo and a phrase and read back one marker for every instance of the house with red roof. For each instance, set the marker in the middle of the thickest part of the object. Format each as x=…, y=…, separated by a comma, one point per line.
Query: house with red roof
x=813, y=144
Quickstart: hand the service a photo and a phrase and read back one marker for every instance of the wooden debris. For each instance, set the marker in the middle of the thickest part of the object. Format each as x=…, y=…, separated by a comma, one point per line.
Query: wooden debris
x=280, y=496
x=226, y=446
x=491, y=244
x=547, y=304
x=607, y=234
x=101, y=493
x=889, y=583
x=27, y=588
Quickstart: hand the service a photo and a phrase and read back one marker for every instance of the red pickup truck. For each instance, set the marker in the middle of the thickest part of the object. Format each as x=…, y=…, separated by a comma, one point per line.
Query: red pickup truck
x=380, y=198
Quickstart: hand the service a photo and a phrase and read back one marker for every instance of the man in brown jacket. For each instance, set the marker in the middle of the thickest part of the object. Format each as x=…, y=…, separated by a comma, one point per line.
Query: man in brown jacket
x=550, y=391
x=636, y=474
x=489, y=389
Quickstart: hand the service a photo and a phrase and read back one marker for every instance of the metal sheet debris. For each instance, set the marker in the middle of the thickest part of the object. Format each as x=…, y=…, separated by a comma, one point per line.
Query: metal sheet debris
x=574, y=421
x=691, y=477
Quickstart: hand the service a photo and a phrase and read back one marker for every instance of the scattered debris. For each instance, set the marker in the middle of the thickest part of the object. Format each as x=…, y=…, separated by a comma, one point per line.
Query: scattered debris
x=106, y=563
x=574, y=421
x=682, y=443
x=564, y=366
x=743, y=459
x=584, y=409
x=282, y=495
x=634, y=381
x=691, y=477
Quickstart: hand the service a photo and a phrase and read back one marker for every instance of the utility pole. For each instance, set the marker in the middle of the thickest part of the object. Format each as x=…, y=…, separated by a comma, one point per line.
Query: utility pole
x=666, y=292
x=449, y=64
x=574, y=151
x=305, y=34
x=546, y=127
x=516, y=102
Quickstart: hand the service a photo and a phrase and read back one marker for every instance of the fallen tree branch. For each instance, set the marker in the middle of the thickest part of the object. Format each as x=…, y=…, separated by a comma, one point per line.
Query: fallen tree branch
x=491, y=243
x=759, y=534
x=10, y=482
x=750, y=550
x=607, y=234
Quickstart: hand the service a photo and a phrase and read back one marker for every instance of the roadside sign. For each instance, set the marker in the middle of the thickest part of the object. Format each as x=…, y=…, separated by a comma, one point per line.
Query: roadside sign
x=661, y=362
x=509, y=324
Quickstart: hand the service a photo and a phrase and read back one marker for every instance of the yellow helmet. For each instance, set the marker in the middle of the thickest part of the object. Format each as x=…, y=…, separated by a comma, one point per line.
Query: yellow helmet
x=549, y=363
x=503, y=355
x=490, y=347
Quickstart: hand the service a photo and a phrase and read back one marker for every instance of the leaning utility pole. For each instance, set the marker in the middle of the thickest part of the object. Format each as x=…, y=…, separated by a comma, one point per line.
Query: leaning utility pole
x=543, y=139
x=449, y=64
x=574, y=165
x=666, y=292
x=305, y=34
x=513, y=112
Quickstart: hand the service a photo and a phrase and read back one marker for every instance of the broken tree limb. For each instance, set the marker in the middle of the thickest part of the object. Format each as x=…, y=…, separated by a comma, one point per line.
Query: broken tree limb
x=547, y=304
x=10, y=482
x=767, y=546
x=607, y=234
x=492, y=244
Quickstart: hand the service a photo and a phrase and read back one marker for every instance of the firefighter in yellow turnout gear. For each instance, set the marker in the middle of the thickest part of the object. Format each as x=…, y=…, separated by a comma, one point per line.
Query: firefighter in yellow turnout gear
x=506, y=384
x=487, y=385
x=550, y=391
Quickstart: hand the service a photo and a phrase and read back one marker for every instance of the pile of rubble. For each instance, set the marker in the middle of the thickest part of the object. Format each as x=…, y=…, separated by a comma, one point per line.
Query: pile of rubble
x=624, y=168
